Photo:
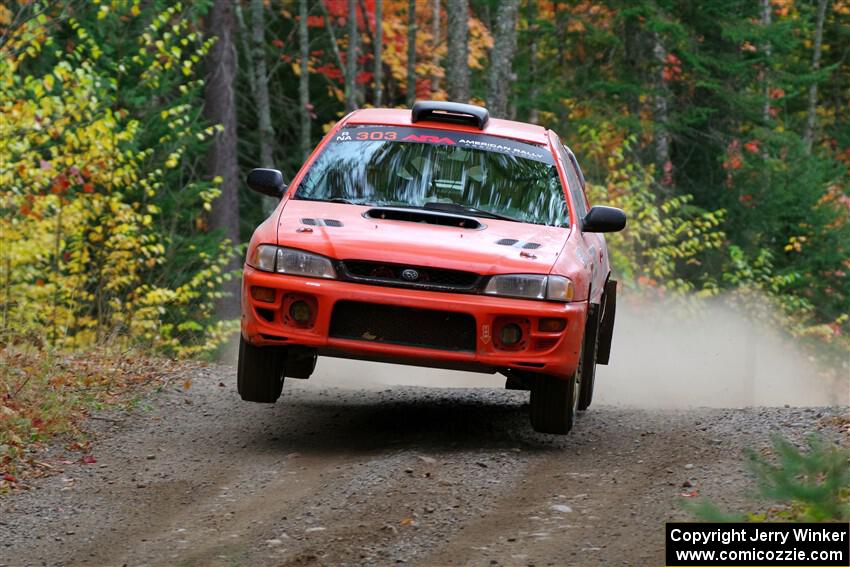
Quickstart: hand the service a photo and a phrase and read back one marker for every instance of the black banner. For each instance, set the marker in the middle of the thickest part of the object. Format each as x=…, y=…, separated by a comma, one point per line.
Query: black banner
x=757, y=544
x=465, y=140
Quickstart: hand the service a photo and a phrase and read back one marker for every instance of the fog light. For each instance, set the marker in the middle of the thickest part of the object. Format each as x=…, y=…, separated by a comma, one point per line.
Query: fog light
x=552, y=325
x=300, y=312
x=510, y=334
x=265, y=294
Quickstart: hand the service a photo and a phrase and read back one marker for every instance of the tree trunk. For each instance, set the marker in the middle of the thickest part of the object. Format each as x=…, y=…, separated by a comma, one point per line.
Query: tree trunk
x=435, y=43
x=220, y=108
x=560, y=32
x=809, y=135
x=411, y=52
x=261, y=96
x=246, y=48
x=351, y=58
x=501, y=58
x=304, y=79
x=379, y=47
x=661, y=112
x=457, y=59
x=766, y=12
x=534, y=91
x=633, y=63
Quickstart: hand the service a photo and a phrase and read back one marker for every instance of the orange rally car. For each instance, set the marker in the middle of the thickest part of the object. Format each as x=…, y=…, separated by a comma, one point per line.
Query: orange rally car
x=439, y=237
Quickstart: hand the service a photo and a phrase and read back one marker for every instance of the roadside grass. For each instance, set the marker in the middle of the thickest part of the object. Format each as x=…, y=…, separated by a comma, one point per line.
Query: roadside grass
x=795, y=484
x=46, y=396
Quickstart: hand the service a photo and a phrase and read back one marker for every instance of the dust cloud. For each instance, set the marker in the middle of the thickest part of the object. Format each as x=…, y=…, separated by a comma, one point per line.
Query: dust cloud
x=705, y=355
x=709, y=355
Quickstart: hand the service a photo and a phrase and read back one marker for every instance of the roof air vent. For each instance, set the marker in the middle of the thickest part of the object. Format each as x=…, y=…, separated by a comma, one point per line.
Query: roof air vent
x=454, y=112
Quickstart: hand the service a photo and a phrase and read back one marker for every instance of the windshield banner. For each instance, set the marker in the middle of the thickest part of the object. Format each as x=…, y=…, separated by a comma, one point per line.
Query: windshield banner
x=444, y=138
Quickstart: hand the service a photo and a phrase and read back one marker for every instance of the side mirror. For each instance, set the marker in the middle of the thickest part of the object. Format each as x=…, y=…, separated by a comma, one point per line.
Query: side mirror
x=604, y=219
x=267, y=181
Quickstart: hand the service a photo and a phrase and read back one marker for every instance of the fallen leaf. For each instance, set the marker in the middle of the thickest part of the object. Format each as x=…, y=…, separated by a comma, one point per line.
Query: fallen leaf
x=690, y=494
x=9, y=478
x=88, y=460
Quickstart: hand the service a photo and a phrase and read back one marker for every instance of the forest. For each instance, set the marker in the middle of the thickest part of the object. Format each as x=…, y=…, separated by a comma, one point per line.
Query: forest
x=128, y=126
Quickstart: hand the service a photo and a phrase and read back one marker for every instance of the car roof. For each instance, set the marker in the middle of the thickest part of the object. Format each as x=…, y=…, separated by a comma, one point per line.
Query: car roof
x=495, y=126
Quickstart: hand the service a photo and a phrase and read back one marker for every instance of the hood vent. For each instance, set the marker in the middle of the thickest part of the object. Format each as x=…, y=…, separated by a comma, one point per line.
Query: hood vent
x=518, y=244
x=321, y=222
x=424, y=216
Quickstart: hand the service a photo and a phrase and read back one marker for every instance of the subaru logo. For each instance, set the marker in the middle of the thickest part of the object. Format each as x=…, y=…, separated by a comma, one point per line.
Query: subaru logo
x=410, y=275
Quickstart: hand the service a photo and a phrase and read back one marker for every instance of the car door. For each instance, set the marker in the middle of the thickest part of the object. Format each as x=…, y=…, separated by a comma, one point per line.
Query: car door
x=594, y=244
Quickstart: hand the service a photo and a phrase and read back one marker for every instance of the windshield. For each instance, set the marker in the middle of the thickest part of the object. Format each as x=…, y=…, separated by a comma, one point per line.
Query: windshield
x=412, y=167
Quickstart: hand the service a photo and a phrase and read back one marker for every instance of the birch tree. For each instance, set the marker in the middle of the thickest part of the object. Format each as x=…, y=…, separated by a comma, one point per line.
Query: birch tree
x=435, y=43
x=304, y=77
x=379, y=45
x=809, y=134
x=261, y=83
x=457, y=59
x=411, y=52
x=351, y=58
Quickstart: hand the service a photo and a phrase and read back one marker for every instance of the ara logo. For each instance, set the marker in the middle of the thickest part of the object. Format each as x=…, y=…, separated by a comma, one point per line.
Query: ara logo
x=427, y=139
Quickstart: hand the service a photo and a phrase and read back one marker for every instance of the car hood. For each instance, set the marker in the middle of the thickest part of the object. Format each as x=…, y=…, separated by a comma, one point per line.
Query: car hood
x=342, y=231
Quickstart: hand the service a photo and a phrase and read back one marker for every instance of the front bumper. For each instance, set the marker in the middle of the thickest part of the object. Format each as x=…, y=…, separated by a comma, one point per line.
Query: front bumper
x=556, y=353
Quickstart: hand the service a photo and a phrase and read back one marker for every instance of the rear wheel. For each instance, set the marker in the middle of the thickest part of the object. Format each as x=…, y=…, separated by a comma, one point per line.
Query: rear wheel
x=259, y=374
x=554, y=402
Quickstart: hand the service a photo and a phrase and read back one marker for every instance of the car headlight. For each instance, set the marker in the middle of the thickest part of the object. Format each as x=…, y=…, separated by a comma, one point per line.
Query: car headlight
x=531, y=286
x=291, y=261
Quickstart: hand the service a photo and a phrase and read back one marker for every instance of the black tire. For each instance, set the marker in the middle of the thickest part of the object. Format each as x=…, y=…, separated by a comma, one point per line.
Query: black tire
x=554, y=402
x=259, y=374
x=588, y=368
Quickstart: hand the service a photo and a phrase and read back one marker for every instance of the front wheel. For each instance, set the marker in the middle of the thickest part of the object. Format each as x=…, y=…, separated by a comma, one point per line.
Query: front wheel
x=259, y=374
x=554, y=402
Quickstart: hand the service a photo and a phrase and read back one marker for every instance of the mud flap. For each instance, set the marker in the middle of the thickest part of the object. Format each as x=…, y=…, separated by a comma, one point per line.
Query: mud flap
x=300, y=362
x=606, y=325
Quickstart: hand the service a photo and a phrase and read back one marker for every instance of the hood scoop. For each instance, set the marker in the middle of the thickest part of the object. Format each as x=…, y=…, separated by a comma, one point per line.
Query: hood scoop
x=518, y=243
x=424, y=216
x=322, y=222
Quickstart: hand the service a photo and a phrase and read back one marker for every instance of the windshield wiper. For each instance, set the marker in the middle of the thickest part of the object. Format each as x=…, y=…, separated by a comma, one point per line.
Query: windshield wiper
x=331, y=200
x=455, y=208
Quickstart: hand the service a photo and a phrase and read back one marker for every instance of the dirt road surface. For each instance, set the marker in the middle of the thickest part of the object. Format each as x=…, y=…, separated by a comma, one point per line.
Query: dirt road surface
x=381, y=476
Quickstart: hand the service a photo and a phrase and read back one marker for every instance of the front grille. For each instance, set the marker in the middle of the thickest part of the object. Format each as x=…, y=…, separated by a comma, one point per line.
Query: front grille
x=372, y=322
x=381, y=273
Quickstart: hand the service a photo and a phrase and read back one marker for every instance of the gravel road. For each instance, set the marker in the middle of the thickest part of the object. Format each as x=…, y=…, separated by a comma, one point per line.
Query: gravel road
x=382, y=476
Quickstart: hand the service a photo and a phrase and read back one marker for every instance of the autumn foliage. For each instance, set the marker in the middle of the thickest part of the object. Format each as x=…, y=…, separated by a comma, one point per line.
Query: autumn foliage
x=88, y=223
